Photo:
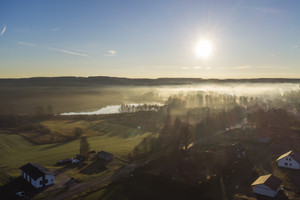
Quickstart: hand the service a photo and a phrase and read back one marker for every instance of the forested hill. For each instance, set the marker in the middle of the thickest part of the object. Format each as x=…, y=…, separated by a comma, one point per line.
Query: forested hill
x=105, y=80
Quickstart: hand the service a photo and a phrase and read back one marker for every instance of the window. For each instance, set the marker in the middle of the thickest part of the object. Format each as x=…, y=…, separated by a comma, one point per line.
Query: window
x=46, y=181
x=289, y=159
x=286, y=158
x=286, y=164
x=41, y=182
x=290, y=164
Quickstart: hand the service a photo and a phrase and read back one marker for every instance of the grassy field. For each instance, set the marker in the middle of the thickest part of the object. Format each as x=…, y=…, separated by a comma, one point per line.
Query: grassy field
x=90, y=128
x=15, y=151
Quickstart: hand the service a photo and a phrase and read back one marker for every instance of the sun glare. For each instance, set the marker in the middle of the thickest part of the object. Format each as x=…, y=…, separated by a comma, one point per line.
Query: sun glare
x=203, y=48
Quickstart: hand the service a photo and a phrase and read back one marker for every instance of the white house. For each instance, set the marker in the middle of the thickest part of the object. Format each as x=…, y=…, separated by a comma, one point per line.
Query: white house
x=289, y=160
x=37, y=175
x=267, y=185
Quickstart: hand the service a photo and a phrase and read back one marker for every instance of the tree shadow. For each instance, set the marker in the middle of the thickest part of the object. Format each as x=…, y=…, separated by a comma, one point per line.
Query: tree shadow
x=55, y=145
x=280, y=196
x=9, y=190
x=94, y=168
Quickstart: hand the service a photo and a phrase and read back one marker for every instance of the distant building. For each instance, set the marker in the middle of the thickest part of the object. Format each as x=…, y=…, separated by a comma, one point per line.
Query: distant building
x=106, y=156
x=239, y=149
x=80, y=158
x=267, y=185
x=289, y=160
x=37, y=175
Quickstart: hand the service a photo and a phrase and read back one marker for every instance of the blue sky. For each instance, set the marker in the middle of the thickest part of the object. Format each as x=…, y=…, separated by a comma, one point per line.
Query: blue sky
x=250, y=39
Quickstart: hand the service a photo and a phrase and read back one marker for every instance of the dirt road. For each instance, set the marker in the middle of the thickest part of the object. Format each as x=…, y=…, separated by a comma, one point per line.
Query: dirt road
x=79, y=188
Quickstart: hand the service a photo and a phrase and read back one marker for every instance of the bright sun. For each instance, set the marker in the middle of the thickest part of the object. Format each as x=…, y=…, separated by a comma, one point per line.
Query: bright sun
x=203, y=48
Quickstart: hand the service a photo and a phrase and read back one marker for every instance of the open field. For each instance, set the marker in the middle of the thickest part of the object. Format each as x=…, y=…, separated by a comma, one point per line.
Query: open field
x=15, y=151
x=90, y=128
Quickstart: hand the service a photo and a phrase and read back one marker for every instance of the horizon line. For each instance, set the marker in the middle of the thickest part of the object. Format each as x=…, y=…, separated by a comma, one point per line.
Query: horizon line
x=150, y=78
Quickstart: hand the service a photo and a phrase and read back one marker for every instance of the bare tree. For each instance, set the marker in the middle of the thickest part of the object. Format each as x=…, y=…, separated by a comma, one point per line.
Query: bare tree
x=186, y=136
x=49, y=110
x=84, y=147
x=40, y=111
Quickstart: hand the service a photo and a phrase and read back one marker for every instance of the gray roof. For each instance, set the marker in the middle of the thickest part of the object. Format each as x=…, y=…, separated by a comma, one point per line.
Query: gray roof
x=292, y=154
x=105, y=153
x=35, y=170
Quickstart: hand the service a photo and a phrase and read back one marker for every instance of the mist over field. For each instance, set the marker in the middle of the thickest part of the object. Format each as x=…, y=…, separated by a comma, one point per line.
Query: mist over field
x=82, y=97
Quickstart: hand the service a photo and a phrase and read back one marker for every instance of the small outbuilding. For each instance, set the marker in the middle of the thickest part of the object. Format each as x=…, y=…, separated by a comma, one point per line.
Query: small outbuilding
x=106, y=156
x=267, y=185
x=289, y=160
x=37, y=175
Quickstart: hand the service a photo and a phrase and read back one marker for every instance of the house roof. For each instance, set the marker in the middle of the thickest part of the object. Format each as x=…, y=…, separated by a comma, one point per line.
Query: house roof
x=105, y=153
x=35, y=170
x=292, y=154
x=269, y=180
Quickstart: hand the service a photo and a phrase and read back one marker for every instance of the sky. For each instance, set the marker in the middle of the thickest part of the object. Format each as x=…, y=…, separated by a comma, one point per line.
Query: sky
x=149, y=39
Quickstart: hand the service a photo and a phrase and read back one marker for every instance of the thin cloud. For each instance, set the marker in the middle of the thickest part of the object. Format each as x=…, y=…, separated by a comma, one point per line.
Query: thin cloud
x=295, y=47
x=27, y=44
x=54, y=49
x=268, y=10
x=3, y=30
x=195, y=68
x=271, y=55
x=68, y=52
x=111, y=53
x=55, y=29
x=198, y=67
x=185, y=68
x=242, y=67
x=82, y=50
x=273, y=67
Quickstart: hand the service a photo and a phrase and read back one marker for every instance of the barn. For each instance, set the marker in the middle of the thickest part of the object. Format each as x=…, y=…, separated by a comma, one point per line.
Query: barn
x=267, y=185
x=289, y=160
x=37, y=175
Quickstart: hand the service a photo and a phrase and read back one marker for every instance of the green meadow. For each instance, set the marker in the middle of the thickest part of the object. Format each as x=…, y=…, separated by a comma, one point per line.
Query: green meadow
x=15, y=151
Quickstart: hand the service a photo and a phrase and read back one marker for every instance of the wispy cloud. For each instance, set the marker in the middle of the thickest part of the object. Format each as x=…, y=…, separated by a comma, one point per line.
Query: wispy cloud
x=242, y=67
x=111, y=53
x=268, y=10
x=82, y=50
x=54, y=49
x=198, y=67
x=55, y=29
x=195, y=68
x=68, y=52
x=273, y=67
x=295, y=47
x=185, y=68
x=3, y=30
x=27, y=44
